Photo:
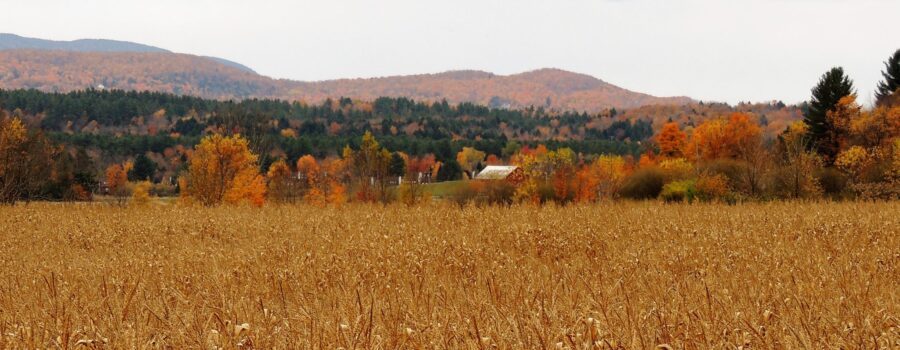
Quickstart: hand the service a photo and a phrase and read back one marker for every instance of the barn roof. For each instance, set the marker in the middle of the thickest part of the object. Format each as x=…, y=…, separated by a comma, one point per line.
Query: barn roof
x=496, y=172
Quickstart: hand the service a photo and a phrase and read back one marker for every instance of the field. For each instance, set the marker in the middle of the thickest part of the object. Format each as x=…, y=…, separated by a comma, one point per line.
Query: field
x=443, y=189
x=623, y=275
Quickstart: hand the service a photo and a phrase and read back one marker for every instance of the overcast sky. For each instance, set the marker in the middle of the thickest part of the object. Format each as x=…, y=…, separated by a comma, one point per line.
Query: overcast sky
x=729, y=51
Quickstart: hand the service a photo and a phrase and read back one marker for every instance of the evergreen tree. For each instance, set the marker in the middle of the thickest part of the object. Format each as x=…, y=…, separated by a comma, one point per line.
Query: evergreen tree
x=449, y=171
x=144, y=169
x=891, y=76
x=85, y=171
x=825, y=96
x=397, y=166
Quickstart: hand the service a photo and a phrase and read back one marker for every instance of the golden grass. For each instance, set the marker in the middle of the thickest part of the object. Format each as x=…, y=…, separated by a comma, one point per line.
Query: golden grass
x=635, y=275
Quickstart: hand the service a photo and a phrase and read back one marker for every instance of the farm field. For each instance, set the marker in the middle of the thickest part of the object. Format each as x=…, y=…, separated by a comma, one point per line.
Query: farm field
x=620, y=275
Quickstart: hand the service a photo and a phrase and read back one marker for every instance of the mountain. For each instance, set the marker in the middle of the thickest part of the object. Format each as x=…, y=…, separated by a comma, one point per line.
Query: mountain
x=231, y=64
x=13, y=42
x=64, y=71
x=549, y=88
x=122, y=66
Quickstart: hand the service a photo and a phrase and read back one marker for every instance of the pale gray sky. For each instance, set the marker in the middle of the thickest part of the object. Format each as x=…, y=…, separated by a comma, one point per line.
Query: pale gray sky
x=726, y=50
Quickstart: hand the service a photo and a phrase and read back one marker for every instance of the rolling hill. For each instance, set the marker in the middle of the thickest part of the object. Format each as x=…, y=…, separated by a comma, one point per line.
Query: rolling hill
x=74, y=65
x=13, y=41
x=549, y=88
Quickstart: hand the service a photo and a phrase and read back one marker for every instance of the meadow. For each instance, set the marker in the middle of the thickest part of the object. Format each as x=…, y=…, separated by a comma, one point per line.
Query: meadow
x=633, y=275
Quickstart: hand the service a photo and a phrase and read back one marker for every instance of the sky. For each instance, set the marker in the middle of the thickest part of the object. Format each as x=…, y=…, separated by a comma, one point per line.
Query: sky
x=723, y=50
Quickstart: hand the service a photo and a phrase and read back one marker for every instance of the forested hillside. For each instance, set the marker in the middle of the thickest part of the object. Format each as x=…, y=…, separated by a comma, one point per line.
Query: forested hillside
x=548, y=88
x=63, y=71
x=181, y=74
x=13, y=42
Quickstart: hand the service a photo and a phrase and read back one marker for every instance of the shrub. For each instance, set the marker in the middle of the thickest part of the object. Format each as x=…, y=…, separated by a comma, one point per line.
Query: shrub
x=498, y=193
x=547, y=193
x=678, y=191
x=410, y=193
x=645, y=183
x=465, y=194
x=730, y=168
x=163, y=190
x=832, y=182
x=877, y=190
x=140, y=195
x=713, y=187
x=676, y=169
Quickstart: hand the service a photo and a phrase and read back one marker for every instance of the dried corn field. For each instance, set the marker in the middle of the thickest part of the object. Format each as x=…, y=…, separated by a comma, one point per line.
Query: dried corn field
x=625, y=275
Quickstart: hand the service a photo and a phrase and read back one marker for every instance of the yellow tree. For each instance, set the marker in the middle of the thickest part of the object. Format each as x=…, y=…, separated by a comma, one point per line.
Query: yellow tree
x=609, y=172
x=468, y=158
x=841, y=117
x=282, y=186
x=876, y=128
x=742, y=135
x=248, y=187
x=223, y=169
x=708, y=140
x=863, y=139
x=853, y=161
x=796, y=133
x=543, y=167
x=140, y=196
x=310, y=172
x=370, y=166
x=795, y=177
x=894, y=164
x=334, y=176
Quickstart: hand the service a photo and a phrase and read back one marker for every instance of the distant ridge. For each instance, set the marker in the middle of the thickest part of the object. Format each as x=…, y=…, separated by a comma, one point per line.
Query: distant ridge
x=90, y=63
x=549, y=88
x=13, y=42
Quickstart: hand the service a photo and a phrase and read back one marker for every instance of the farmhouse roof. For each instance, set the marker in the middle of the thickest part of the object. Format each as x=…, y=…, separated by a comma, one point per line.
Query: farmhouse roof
x=496, y=172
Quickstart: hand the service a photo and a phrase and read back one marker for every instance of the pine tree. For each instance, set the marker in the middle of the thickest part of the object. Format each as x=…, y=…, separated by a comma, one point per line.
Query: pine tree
x=397, y=165
x=144, y=169
x=449, y=171
x=825, y=96
x=891, y=76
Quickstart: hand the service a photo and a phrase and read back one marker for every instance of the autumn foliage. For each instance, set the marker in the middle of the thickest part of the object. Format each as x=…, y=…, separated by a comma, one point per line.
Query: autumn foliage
x=201, y=76
x=671, y=140
x=222, y=169
x=29, y=162
x=117, y=181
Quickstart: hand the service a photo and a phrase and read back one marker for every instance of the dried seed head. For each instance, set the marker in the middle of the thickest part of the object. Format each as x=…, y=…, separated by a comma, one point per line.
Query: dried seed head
x=240, y=328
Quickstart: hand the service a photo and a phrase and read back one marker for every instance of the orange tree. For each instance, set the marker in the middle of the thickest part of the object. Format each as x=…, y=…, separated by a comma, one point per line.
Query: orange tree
x=671, y=140
x=223, y=169
x=117, y=182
